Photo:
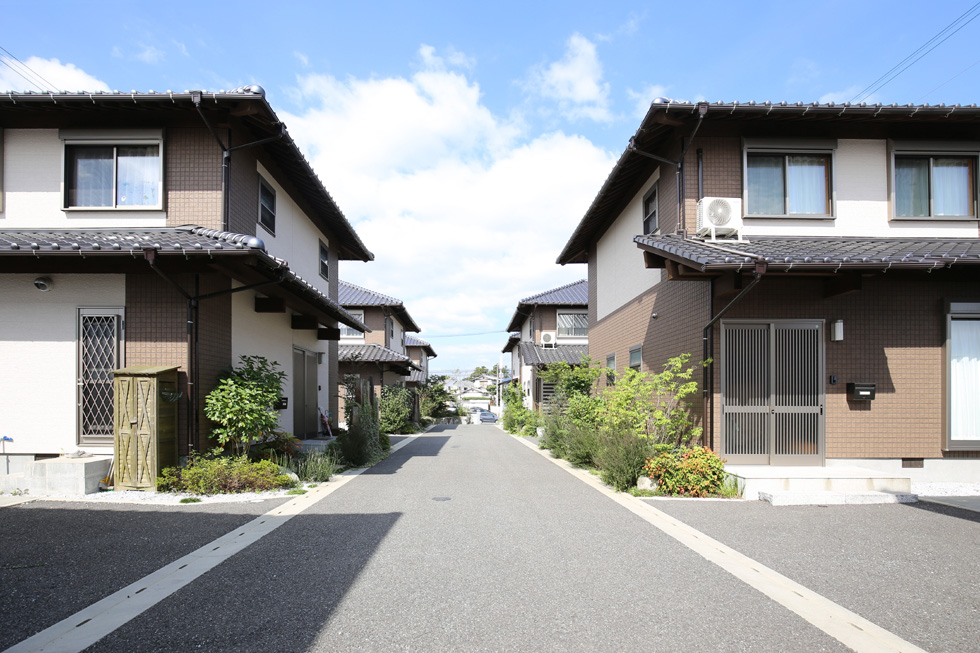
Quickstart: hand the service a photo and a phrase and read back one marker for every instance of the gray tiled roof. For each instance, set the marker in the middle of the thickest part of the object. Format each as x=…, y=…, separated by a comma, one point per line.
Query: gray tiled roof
x=373, y=354
x=533, y=354
x=417, y=376
x=247, y=103
x=186, y=243
x=353, y=296
x=413, y=341
x=814, y=253
x=572, y=293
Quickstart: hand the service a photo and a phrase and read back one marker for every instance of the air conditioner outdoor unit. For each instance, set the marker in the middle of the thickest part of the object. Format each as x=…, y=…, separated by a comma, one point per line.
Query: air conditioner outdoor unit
x=549, y=338
x=720, y=216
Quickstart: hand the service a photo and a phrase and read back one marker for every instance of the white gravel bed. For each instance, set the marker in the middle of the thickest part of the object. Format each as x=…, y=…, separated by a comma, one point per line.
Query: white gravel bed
x=946, y=489
x=166, y=498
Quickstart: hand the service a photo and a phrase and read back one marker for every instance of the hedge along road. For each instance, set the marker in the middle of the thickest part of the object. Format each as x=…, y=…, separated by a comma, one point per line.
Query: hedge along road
x=465, y=539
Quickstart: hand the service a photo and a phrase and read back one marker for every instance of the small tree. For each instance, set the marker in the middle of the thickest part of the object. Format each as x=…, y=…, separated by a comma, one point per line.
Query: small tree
x=434, y=398
x=395, y=410
x=244, y=403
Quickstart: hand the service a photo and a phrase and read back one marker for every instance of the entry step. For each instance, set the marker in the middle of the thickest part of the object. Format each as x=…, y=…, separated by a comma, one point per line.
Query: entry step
x=830, y=498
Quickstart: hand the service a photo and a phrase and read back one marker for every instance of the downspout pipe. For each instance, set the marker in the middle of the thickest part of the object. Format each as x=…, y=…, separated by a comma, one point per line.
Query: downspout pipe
x=707, y=334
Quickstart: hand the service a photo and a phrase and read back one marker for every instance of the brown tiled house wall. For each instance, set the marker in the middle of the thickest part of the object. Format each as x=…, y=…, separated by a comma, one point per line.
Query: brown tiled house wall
x=193, y=169
x=894, y=333
x=682, y=309
x=156, y=333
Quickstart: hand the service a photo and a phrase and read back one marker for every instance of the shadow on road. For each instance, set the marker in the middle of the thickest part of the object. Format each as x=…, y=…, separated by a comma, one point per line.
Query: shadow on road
x=949, y=511
x=423, y=446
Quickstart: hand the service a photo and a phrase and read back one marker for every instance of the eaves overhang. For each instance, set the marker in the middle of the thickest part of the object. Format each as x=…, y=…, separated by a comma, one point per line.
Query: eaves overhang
x=176, y=250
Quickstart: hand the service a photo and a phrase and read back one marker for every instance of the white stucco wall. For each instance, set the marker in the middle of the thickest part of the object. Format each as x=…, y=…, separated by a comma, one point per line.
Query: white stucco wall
x=861, y=169
x=33, y=174
x=296, y=239
x=271, y=335
x=621, y=273
x=39, y=350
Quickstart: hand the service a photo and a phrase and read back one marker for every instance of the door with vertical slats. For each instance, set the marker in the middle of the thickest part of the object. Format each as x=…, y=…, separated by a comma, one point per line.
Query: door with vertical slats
x=772, y=392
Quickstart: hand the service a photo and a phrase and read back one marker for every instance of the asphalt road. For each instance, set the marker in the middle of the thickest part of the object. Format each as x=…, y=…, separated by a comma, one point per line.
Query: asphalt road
x=467, y=540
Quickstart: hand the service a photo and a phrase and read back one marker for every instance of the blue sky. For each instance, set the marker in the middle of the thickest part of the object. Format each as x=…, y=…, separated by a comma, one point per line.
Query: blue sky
x=464, y=141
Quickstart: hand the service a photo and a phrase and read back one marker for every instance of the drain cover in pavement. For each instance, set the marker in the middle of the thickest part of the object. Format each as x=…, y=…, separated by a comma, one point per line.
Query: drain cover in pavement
x=440, y=498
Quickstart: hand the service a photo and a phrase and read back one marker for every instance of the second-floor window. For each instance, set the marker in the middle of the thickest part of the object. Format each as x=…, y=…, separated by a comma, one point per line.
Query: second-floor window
x=636, y=357
x=351, y=332
x=935, y=186
x=324, y=261
x=112, y=176
x=611, y=368
x=651, y=221
x=267, y=205
x=791, y=184
x=573, y=325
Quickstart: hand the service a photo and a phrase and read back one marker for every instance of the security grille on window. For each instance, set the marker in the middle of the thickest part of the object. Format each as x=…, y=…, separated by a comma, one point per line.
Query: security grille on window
x=351, y=332
x=651, y=222
x=573, y=325
x=791, y=184
x=267, y=205
x=113, y=175
x=935, y=186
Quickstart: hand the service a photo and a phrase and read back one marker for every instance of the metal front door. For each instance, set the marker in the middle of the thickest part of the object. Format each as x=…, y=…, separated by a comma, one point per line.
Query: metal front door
x=99, y=353
x=772, y=392
x=305, y=413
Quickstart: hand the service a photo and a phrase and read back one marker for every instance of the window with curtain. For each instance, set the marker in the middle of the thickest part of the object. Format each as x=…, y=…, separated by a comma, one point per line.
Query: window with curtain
x=113, y=176
x=790, y=184
x=964, y=380
x=573, y=325
x=935, y=186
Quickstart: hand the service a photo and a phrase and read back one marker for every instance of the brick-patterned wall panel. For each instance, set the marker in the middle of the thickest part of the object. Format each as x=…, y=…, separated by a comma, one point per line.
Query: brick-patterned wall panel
x=894, y=332
x=374, y=319
x=667, y=190
x=722, y=166
x=682, y=310
x=243, y=207
x=214, y=340
x=193, y=169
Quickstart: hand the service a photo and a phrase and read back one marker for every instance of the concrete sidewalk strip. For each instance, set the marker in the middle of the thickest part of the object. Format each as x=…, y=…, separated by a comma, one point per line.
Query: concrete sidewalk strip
x=89, y=625
x=847, y=627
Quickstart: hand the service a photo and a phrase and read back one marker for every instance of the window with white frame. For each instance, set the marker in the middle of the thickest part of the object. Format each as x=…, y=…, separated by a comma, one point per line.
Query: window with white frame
x=931, y=185
x=113, y=175
x=267, y=205
x=789, y=181
x=573, y=325
x=351, y=332
x=963, y=375
x=651, y=220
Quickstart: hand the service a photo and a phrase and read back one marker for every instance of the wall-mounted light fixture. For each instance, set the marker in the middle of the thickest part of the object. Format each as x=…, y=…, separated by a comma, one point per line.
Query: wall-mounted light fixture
x=654, y=315
x=837, y=330
x=43, y=284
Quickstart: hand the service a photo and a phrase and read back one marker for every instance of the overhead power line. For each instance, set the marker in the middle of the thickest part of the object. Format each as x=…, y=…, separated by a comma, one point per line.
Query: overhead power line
x=927, y=47
x=25, y=71
x=466, y=335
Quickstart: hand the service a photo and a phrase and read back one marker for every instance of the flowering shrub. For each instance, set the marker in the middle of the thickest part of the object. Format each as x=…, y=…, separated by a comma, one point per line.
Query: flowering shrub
x=695, y=472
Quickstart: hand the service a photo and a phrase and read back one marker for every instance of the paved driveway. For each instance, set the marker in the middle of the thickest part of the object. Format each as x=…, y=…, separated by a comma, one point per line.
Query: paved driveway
x=467, y=540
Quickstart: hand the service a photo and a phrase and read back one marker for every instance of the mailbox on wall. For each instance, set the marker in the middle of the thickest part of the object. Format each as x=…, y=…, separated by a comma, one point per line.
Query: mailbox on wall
x=860, y=391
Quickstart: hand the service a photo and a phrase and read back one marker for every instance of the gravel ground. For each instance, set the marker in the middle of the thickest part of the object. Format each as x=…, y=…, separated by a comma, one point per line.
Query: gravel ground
x=946, y=489
x=162, y=498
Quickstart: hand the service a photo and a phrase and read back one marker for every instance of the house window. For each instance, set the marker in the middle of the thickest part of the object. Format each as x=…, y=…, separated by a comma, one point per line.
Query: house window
x=573, y=325
x=324, y=261
x=351, y=332
x=651, y=222
x=796, y=184
x=935, y=186
x=963, y=376
x=267, y=206
x=636, y=357
x=611, y=369
x=113, y=176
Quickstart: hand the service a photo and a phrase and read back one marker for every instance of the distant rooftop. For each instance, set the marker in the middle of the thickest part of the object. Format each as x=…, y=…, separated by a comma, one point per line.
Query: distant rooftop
x=572, y=294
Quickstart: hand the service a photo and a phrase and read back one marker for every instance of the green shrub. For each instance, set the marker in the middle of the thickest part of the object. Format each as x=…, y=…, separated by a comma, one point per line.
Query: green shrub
x=243, y=403
x=395, y=414
x=362, y=444
x=217, y=474
x=581, y=445
x=696, y=472
x=314, y=466
x=620, y=456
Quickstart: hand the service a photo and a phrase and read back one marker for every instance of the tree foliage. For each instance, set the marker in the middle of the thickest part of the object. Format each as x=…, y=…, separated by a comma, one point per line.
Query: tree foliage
x=243, y=403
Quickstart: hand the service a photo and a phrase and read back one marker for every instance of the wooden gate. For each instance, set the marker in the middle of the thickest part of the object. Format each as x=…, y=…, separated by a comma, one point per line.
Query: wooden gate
x=772, y=392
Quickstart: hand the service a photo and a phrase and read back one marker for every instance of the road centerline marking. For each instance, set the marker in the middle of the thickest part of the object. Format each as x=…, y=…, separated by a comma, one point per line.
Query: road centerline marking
x=87, y=626
x=847, y=627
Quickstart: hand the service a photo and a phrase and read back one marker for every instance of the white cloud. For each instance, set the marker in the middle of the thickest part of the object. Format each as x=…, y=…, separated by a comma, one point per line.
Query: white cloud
x=575, y=82
x=63, y=77
x=464, y=212
x=644, y=97
x=150, y=54
x=181, y=48
x=303, y=59
x=845, y=95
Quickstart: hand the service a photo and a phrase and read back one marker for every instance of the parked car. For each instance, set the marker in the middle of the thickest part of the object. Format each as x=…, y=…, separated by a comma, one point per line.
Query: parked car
x=487, y=416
